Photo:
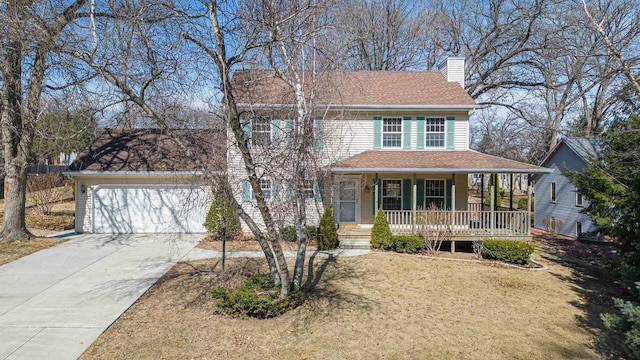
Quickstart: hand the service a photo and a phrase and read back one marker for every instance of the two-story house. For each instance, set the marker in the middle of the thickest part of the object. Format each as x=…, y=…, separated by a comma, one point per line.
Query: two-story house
x=395, y=140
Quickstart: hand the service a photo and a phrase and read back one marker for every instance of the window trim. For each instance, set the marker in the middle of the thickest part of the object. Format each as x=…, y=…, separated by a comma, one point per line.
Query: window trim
x=444, y=195
x=443, y=132
x=579, y=225
x=382, y=196
x=400, y=133
x=269, y=121
x=552, y=192
x=580, y=197
x=313, y=190
x=270, y=189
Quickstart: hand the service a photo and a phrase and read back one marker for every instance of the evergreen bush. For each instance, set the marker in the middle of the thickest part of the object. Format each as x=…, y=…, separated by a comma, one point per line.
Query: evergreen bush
x=312, y=230
x=381, y=232
x=220, y=209
x=522, y=204
x=327, y=238
x=511, y=251
x=410, y=244
x=258, y=297
x=288, y=233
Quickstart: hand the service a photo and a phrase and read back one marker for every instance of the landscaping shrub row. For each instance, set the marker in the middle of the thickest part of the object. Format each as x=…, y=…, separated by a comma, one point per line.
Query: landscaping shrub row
x=511, y=251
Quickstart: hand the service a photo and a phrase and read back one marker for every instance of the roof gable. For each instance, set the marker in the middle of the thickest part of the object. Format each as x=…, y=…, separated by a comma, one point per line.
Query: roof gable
x=585, y=147
x=353, y=89
x=150, y=150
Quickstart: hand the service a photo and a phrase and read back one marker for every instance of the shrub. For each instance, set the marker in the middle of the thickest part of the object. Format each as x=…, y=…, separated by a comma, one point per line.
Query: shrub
x=626, y=324
x=288, y=233
x=257, y=297
x=327, y=235
x=409, y=244
x=45, y=190
x=522, y=204
x=220, y=209
x=511, y=251
x=312, y=230
x=380, y=232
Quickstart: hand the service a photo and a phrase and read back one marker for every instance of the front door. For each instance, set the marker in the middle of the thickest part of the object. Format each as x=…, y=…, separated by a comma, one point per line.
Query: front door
x=348, y=196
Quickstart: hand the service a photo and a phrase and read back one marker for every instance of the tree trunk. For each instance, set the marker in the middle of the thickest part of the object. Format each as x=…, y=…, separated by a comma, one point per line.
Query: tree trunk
x=13, y=226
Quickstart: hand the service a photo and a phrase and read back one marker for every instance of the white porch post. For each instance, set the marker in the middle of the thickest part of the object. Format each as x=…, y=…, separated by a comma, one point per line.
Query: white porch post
x=493, y=214
x=414, y=205
x=375, y=198
x=528, y=217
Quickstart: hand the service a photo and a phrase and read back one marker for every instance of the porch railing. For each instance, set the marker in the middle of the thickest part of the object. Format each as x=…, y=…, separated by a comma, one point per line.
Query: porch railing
x=460, y=222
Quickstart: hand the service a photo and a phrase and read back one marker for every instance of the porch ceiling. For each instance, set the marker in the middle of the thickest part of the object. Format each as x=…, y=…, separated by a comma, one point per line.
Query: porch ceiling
x=432, y=162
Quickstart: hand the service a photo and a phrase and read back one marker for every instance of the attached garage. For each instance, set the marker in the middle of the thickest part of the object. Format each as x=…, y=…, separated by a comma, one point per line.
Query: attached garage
x=167, y=208
x=139, y=181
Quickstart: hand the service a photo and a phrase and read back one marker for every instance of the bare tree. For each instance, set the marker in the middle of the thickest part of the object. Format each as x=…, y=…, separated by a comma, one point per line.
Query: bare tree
x=382, y=34
x=620, y=41
x=31, y=32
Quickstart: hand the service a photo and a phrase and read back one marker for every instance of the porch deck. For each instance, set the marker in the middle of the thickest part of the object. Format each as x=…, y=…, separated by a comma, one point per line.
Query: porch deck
x=460, y=225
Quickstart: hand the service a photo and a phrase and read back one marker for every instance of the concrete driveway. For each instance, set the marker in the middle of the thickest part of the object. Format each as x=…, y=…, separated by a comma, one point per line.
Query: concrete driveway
x=56, y=302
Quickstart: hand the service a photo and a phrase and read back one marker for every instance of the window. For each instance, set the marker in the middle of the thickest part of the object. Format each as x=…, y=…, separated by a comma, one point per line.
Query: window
x=578, y=228
x=261, y=131
x=579, y=199
x=434, y=193
x=309, y=193
x=265, y=185
x=392, y=194
x=391, y=132
x=434, y=132
x=553, y=192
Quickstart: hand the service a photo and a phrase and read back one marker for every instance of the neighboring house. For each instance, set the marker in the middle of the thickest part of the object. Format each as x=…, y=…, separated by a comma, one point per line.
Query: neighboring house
x=141, y=181
x=557, y=203
x=392, y=140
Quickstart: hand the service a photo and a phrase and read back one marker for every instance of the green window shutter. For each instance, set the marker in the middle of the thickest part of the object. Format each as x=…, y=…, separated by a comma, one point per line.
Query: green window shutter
x=275, y=189
x=420, y=133
x=288, y=131
x=420, y=194
x=246, y=191
x=447, y=197
x=377, y=132
x=318, y=127
x=246, y=128
x=276, y=131
x=406, y=194
x=317, y=190
x=449, y=128
x=406, y=132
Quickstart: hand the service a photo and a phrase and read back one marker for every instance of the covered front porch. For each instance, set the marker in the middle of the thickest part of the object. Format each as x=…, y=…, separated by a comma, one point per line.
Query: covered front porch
x=430, y=193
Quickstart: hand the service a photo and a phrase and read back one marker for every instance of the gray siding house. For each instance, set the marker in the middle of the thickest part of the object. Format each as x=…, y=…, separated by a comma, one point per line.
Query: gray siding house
x=557, y=203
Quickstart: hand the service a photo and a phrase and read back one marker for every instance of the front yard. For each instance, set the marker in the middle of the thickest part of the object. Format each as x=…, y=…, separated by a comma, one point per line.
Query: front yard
x=381, y=305
x=40, y=225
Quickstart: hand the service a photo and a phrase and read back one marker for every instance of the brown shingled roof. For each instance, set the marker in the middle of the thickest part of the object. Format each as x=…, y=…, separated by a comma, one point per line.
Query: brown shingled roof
x=150, y=150
x=351, y=88
x=432, y=161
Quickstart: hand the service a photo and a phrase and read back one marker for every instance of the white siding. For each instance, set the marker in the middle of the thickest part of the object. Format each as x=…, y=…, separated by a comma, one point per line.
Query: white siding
x=346, y=136
x=461, y=134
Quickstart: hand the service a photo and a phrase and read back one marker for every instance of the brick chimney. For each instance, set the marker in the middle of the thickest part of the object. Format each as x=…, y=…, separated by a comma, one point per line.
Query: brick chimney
x=453, y=70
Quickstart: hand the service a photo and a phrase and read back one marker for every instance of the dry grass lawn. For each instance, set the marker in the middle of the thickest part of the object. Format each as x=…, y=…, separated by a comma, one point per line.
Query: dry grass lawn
x=378, y=306
x=40, y=225
x=248, y=244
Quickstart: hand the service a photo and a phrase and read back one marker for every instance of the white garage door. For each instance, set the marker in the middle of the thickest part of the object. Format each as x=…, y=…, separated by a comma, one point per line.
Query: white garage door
x=149, y=209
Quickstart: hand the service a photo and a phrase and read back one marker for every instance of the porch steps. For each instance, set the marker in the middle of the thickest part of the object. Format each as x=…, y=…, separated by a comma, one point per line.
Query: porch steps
x=352, y=236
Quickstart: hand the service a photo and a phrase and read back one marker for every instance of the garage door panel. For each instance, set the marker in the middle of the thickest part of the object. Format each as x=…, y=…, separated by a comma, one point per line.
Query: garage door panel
x=149, y=209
